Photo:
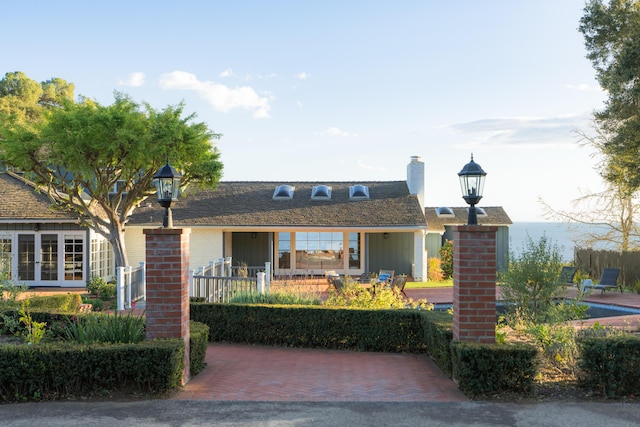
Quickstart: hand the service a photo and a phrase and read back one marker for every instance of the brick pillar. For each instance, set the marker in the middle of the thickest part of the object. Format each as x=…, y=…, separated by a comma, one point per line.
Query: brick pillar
x=474, y=283
x=167, y=293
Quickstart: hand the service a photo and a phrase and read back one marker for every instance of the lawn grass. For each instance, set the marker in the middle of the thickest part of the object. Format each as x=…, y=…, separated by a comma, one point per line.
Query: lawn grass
x=429, y=284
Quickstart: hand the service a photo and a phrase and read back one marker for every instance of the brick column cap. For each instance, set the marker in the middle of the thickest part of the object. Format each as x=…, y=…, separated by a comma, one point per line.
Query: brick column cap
x=166, y=231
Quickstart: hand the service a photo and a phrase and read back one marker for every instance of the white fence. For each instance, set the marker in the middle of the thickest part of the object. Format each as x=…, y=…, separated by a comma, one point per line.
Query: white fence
x=219, y=281
x=131, y=285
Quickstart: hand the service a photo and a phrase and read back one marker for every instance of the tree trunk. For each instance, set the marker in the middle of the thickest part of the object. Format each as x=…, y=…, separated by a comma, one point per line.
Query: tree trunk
x=116, y=238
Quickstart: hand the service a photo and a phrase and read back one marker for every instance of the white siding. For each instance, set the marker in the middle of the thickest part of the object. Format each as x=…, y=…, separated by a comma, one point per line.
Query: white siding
x=205, y=246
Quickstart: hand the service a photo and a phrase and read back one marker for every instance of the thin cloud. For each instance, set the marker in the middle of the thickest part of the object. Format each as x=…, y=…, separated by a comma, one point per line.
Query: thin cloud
x=583, y=88
x=522, y=131
x=302, y=76
x=221, y=97
x=226, y=73
x=133, y=80
x=334, y=131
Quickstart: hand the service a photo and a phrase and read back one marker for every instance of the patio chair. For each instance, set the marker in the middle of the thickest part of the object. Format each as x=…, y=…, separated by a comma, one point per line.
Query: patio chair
x=608, y=281
x=386, y=276
x=336, y=282
x=567, y=274
x=399, y=284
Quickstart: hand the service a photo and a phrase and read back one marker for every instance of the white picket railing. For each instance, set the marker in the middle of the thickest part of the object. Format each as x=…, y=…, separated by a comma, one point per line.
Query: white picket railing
x=131, y=285
x=218, y=283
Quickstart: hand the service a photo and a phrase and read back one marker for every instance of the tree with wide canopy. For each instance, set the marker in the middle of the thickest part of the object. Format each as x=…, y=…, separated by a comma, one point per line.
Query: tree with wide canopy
x=99, y=161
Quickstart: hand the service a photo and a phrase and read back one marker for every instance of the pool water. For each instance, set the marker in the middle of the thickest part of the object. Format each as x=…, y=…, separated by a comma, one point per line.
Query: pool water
x=595, y=310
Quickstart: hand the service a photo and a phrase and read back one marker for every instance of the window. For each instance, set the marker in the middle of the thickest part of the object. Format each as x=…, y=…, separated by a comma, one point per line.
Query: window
x=73, y=257
x=284, y=192
x=319, y=250
x=358, y=192
x=102, y=262
x=284, y=250
x=321, y=192
x=445, y=211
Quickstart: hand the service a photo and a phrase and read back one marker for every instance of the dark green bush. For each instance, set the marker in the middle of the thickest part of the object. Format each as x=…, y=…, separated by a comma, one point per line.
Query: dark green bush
x=59, y=370
x=438, y=334
x=486, y=369
x=314, y=327
x=198, y=341
x=446, y=257
x=610, y=365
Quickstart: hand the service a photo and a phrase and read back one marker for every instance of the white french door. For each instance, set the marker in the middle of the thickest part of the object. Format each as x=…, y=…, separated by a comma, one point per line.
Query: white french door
x=49, y=259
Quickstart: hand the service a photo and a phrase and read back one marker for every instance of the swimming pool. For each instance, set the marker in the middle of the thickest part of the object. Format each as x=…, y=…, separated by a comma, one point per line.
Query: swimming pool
x=595, y=310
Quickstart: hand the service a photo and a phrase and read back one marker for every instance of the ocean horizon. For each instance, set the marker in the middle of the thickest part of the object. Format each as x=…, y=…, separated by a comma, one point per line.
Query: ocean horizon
x=562, y=234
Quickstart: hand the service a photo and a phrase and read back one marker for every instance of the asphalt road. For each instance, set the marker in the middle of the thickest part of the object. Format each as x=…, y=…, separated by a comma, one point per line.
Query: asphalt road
x=203, y=413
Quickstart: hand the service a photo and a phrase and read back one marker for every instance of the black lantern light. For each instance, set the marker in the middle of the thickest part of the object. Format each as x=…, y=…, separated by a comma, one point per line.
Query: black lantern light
x=472, y=185
x=167, y=183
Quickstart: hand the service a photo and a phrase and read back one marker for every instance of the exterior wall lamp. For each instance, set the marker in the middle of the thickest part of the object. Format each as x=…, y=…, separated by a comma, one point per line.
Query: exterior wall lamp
x=167, y=183
x=472, y=186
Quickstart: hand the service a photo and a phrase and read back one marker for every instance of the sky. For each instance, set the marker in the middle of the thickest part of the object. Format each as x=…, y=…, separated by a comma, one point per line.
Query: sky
x=344, y=90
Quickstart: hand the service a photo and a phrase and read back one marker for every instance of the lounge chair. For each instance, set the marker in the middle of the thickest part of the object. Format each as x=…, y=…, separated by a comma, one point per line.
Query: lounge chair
x=567, y=275
x=608, y=281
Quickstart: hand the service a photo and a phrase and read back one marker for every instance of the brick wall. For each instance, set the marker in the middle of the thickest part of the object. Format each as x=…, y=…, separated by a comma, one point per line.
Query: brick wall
x=474, y=284
x=167, y=293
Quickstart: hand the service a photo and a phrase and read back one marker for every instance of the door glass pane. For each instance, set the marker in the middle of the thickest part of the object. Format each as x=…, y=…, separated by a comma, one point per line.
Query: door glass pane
x=26, y=256
x=49, y=257
x=354, y=250
x=73, y=257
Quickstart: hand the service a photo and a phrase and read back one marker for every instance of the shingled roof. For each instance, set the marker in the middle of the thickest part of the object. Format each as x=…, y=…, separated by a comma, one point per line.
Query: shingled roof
x=21, y=202
x=251, y=204
x=435, y=223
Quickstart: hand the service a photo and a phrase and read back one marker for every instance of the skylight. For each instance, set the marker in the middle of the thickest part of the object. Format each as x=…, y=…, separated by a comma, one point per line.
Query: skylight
x=321, y=192
x=358, y=192
x=445, y=211
x=284, y=192
x=480, y=211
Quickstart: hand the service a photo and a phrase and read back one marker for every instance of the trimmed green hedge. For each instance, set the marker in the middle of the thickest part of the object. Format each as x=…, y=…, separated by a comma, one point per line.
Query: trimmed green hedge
x=198, y=341
x=610, y=365
x=313, y=327
x=58, y=370
x=485, y=369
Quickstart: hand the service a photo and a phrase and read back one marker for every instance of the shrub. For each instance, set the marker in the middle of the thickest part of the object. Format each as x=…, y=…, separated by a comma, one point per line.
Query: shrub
x=9, y=290
x=435, y=272
x=62, y=303
x=33, y=331
x=353, y=295
x=101, y=288
x=106, y=328
x=531, y=282
x=284, y=298
x=446, y=259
